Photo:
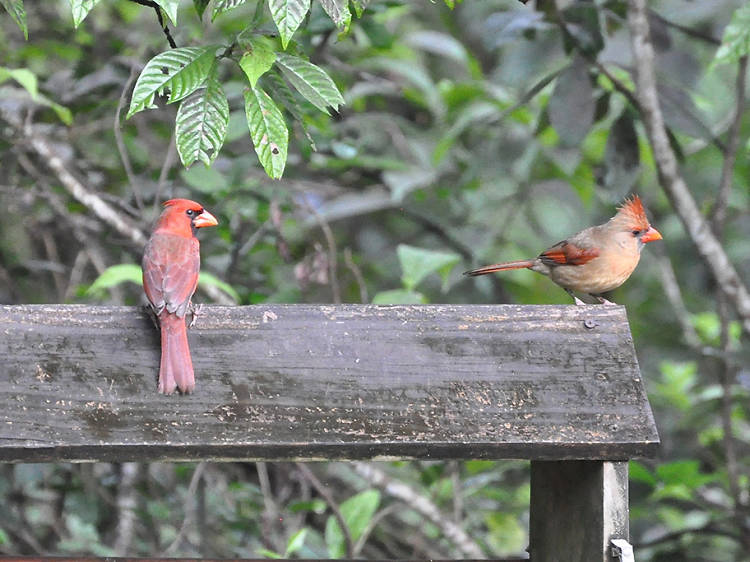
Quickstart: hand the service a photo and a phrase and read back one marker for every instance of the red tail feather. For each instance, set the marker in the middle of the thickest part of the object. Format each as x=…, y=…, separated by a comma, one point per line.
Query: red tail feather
x=520, y=264
x=176, y=370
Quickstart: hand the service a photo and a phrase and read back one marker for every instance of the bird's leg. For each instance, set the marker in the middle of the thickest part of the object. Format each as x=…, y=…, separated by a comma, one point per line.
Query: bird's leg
x=195, y=311
x=604, y=301
x=152, y=315
x=578, y=301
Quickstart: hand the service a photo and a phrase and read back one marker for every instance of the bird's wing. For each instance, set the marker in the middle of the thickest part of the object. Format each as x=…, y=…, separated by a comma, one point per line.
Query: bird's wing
x=567, y=253
x=170, y=271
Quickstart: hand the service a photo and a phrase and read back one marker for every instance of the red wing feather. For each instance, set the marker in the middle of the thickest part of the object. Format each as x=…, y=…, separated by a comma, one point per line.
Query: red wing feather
x=565, y=253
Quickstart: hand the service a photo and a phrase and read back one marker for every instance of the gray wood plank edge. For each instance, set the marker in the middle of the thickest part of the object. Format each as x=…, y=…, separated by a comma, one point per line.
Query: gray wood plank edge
x=308, y=382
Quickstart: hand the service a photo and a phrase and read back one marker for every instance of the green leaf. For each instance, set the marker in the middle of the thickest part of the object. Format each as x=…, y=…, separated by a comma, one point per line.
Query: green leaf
x=18, y=13
x=418, y=263
x=116, y=275
x=296, y=541
x=338, y=11
x=24, y=77
x=676, y=384
x=200, y=7
x=288, y=15
x=205, y=180
x=357, y=513
x=258, y=60
x=359, y=6
x=571, y=106
x=80, y=9
x=735, y=43
x=205, y=278
x=29, y=81
x=221, y=6
x=268, y=131
x=283, y=92
x=399, y=296
x=201, y=124
x=311, y=81
x=178, y=72
x=170, y=8
x=639, y=473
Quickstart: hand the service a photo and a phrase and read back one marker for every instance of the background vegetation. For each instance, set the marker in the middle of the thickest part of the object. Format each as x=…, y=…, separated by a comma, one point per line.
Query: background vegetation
x=466, y=135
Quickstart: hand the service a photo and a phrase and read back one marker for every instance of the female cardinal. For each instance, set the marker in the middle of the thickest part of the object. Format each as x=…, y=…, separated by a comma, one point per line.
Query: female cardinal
x=596, y=260
x=170, y=274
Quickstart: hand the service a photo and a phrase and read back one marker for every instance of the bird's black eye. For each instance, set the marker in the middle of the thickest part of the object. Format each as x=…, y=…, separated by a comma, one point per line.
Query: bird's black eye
x=637, y=232
x=190, y=213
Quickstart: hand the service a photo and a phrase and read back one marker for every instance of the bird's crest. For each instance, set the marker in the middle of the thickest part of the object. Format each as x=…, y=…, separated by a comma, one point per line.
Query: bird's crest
x=633, y=214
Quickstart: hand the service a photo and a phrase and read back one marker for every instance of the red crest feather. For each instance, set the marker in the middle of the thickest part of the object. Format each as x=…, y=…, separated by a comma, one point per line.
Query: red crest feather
x=633, y=212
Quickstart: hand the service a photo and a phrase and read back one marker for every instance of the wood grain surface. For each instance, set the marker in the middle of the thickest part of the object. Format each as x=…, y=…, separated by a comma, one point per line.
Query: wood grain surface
x=308, y=382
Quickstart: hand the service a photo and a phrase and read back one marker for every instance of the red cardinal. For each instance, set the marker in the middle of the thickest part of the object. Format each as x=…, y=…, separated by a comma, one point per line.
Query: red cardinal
x=171, y=263
x=596, y=260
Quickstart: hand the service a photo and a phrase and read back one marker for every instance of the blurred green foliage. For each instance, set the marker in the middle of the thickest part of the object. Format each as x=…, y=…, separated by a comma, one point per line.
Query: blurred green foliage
x=467, y=136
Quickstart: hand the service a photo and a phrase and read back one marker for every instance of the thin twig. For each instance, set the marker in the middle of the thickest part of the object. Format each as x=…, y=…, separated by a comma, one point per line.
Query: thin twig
x=730, y=156
x=422, y=505
x=357, y=272
x=121, y=148
x=727, y=371
x=166, y=166
x=707, y=245
x=674, y=295
x=689, y=31
x=189, y=508
x=127, y=504
x=271, y=511
x=332, y=253
x=162, y=23
x=332, y=503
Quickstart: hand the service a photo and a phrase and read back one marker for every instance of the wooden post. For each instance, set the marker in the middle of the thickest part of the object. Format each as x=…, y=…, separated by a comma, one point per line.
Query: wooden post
x=577, y=508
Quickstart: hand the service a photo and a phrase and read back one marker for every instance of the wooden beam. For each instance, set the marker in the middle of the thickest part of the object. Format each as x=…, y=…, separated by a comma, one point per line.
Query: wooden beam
x=305, y=382
x=577, y=508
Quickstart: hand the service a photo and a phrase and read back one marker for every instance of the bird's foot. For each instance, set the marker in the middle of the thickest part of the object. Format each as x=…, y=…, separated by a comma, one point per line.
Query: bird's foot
x=578, y=301
x=604, y=301
x=152, y=315
x=195, y=311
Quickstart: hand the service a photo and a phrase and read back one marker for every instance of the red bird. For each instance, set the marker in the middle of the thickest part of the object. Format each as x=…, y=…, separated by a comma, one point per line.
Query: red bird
x=596, y=260
x=171, y=263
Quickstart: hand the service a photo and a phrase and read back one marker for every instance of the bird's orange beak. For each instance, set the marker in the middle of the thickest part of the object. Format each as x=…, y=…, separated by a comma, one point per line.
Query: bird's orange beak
x=650, y=235
x=207, y=219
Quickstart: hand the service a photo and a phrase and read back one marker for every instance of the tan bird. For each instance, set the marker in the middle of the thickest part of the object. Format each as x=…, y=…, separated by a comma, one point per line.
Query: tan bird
x=596, y=260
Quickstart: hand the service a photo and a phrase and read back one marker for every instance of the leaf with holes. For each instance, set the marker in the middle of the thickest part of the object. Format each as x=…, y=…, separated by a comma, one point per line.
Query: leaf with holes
x=338, y=11
x=177, y=72
x=170, y=8
x=80, y=9
x=258, y=59
x=268, y=131
x=221, y=6
x=18, y=13
x=311, y=81
x=201, y=124
x=288, y=15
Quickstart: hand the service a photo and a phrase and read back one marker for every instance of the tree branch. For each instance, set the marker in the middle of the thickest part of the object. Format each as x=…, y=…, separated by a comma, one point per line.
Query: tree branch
x=162, y=23
x=708, y=246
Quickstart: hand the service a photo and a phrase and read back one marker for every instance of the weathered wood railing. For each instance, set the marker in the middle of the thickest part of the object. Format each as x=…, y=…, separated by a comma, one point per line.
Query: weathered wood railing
x=558, y=385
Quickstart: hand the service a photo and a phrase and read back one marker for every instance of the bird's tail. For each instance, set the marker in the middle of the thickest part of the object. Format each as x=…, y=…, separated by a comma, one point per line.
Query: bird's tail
x=176, y=370
x=520, y=264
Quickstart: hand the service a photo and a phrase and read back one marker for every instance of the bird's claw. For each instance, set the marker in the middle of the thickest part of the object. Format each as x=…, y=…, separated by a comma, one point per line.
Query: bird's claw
x=152, y=315
x=604, y=301
x=195, y=311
